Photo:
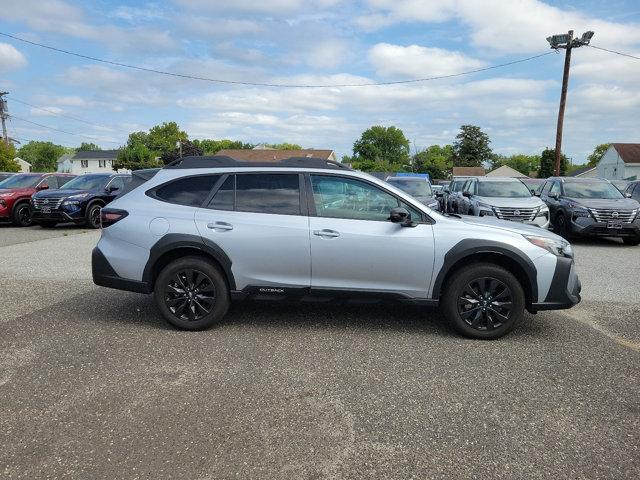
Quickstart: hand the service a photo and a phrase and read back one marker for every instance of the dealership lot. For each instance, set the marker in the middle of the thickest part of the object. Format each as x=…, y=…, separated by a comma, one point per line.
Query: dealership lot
x=95, y=385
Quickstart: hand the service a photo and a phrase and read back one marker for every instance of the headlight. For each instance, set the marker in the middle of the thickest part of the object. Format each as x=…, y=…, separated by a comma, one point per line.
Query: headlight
x=77, y=196
x=71, y=202
x=580, y=212
x=485, y=210
x=543, y=212
x=560, y=248
x=432, y=205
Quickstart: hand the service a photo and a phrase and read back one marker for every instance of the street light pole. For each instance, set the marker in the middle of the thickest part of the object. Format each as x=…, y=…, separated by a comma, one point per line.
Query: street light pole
x=567, y=42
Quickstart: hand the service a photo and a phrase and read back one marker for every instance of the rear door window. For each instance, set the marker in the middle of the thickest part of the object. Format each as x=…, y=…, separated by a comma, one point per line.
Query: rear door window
x=189, y=191
x=268, y=193
x=224, y=199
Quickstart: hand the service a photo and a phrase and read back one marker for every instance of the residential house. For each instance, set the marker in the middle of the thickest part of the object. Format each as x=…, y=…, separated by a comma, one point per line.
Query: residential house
x=584, y=172
x=621, y=161
x=87, y=162
x=506, y=171
x=25, y=167
x=269, y=155
x=468, y=172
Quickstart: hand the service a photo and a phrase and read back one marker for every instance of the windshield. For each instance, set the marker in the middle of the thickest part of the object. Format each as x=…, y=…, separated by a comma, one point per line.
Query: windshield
x=457, y=185
x=531, y=183
x=591, y=190
x=21, y=181
x=412, y=187
x=86, y=182
x=515, y=189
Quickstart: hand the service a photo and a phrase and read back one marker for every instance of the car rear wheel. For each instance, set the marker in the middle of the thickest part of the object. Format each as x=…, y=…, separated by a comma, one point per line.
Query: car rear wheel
x=483, y=301
x=563, y=228
x=21, y=215
x=191, y=293
x=92, y=217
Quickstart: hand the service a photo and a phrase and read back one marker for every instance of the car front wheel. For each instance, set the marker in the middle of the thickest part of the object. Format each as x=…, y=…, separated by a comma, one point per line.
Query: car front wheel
x=191, y=293
x=92, y=219
x=21, y=215
x=483, y=301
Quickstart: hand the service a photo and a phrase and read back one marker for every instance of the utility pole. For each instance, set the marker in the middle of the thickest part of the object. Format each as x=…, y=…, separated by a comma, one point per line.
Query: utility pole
x=567, y=42
x=3, y=117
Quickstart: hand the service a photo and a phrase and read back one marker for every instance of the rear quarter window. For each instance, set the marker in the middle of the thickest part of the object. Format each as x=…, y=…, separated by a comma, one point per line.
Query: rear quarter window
x=189, y=191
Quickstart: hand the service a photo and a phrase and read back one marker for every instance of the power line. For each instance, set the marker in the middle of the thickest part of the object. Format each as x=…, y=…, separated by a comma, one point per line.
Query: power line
x=58, y=114
x=277, y=85
x=63, y=131
x=613, y=51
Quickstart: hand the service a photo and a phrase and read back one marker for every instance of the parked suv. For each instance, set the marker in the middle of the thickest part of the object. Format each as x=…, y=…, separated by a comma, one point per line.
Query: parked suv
x=453, y=194
x=417, y=187
x=591, y=207
x=505, y=198
x=16, y=191
x=78, y=201
x=207, y=230
x=633, y=190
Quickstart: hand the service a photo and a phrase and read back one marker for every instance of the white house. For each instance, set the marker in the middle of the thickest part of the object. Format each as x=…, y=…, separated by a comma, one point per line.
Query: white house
x=87, y=162
x=584, y=172
x=621, y=161
x=25, y=167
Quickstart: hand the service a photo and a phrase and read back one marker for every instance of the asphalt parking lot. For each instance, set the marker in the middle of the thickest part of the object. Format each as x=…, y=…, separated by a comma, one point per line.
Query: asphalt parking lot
x=93, y=384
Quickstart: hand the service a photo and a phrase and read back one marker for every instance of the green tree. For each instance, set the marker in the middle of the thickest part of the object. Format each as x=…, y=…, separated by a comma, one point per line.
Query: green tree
x=7, y=156
x=598, y=152
x=188, y=150
x=471, y=147
x=135, y=157
x=43, y=156
x=88, y=147
x=283, y=146
x=163, y=138
x=381, y=149
x=211, y=147
x=548, y=163
x=525, y=164
x=435, y=160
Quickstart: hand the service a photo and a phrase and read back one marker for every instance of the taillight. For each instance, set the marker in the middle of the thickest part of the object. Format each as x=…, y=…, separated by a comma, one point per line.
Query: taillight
x=109, y=216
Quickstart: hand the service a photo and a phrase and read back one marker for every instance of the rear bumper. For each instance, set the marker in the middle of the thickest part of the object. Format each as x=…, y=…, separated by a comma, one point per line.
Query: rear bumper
x=565, y=288
x=105, y=276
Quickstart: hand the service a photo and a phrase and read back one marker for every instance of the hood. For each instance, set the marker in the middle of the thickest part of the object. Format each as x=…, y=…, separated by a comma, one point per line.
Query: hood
x=515, y=227
x=19, y=191
x=525, y=202
x=58, y=193
x=621, y=203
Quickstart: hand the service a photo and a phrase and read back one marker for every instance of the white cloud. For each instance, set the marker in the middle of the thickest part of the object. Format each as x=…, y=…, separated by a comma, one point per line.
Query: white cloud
x=415, y=61
x=10, y=58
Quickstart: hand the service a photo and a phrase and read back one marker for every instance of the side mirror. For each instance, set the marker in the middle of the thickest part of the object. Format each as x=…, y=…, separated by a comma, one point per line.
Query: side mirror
x=466, y=193
x=554, y=195
x=400, y=215
x=627, y=195
x=112, y=188
x=446, y=190
x=535, y=193
x=440, y=194
x=43, y=186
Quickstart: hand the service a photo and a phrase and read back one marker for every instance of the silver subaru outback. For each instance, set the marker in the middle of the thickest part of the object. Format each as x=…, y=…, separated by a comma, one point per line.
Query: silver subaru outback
x=206, y=231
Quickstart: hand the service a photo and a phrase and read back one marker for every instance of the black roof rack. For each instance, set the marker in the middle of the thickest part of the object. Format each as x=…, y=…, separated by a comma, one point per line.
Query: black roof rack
x=223, y=161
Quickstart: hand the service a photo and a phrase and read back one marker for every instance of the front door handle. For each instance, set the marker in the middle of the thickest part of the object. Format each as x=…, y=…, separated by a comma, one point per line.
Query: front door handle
x=220, y=226
x=326, y=233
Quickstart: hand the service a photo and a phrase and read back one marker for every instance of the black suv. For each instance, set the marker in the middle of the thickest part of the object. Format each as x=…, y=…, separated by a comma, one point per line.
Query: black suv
x=78, y=201
x=591, y=207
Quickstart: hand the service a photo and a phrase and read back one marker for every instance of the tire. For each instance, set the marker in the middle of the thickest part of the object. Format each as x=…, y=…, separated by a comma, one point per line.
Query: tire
x=467, y=290
x=47, y=224
x=204, y=301
x=21, y=217
x=632, y=241
x=92, y=215
x=563, y=229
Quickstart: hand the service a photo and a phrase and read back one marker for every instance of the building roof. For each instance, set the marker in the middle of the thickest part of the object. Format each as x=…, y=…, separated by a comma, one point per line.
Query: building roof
x=468, y=172
x=265, y=155
x=629, y=152
x=506, y=171
x=581, y=171
x=96, y=154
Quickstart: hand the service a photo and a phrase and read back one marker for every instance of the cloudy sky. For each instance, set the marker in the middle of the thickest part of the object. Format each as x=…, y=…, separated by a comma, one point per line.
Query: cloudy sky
x=324, y=42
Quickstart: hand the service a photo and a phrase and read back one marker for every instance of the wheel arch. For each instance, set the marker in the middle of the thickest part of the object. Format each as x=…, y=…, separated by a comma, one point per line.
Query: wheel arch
x=471, y=251
x=174, y=246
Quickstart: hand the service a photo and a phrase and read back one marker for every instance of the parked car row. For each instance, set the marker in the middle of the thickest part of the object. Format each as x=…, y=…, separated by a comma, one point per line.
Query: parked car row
x=48, y=199
x=570, y=206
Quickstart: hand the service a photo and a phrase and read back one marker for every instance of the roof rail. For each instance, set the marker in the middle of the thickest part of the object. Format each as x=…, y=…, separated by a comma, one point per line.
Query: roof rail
x=223, y=161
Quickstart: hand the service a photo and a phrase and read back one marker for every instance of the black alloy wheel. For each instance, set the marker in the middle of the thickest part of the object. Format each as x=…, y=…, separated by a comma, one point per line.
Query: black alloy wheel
x=485, y=303
x=561, y=225
x=190, y=295
x=93, y=216
x=22, y=215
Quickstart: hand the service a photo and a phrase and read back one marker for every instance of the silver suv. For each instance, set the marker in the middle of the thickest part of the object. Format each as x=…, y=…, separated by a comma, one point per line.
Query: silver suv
x=208, y=230
x=505, y=198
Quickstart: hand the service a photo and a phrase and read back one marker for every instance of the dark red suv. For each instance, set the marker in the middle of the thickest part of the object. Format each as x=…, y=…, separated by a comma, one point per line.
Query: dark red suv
x=16, y=191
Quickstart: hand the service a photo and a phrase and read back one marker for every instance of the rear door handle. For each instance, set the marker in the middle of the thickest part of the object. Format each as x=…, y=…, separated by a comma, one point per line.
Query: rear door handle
x=326, y=233
x=220, y=226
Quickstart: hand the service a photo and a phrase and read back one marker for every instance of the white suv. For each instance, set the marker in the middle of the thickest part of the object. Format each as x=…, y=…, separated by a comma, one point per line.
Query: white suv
x=208, y=230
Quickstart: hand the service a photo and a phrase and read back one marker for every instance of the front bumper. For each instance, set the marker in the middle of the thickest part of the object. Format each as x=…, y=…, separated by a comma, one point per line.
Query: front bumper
x=588, y=227
x=565, y=288
x=62, y=214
